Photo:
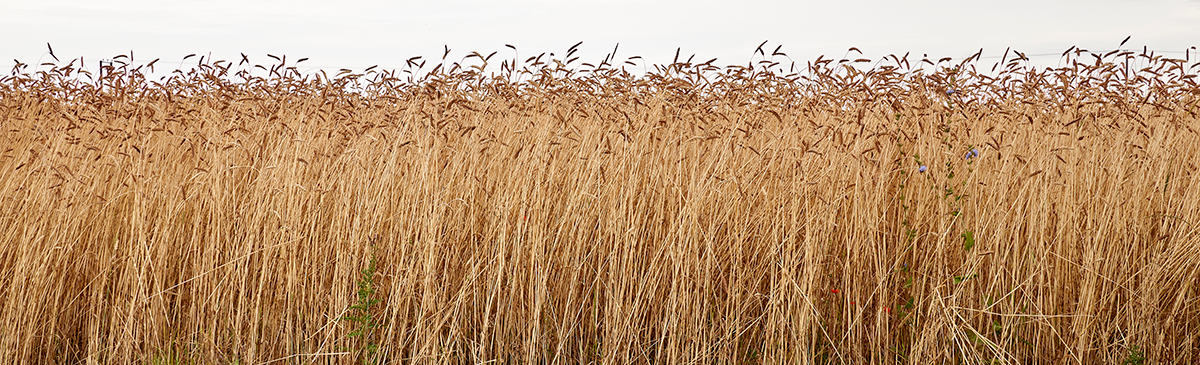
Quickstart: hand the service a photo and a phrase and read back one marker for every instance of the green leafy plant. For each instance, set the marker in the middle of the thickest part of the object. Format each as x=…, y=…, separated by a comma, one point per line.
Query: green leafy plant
x=1135, y=356
x=360, y=313
x=961, y=278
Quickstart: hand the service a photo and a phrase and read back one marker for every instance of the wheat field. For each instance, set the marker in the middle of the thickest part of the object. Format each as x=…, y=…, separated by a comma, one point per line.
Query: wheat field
x=850, y=211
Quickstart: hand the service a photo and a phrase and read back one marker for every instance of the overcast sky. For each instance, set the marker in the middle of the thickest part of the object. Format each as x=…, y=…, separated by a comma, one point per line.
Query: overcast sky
x=360, y=33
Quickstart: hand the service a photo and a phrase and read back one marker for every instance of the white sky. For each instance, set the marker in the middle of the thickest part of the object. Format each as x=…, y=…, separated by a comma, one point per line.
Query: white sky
x=360, y=33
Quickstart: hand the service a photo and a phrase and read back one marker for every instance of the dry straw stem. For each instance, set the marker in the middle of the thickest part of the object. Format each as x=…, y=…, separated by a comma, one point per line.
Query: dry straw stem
x=561, y=212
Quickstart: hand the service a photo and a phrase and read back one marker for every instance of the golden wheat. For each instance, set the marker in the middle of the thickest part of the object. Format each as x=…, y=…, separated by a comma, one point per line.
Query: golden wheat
x=914, y=212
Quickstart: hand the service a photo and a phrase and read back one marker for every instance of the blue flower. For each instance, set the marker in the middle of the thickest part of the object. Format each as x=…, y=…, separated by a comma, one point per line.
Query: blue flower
x=951, y=91
x=974, y=152
x=921, y=169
